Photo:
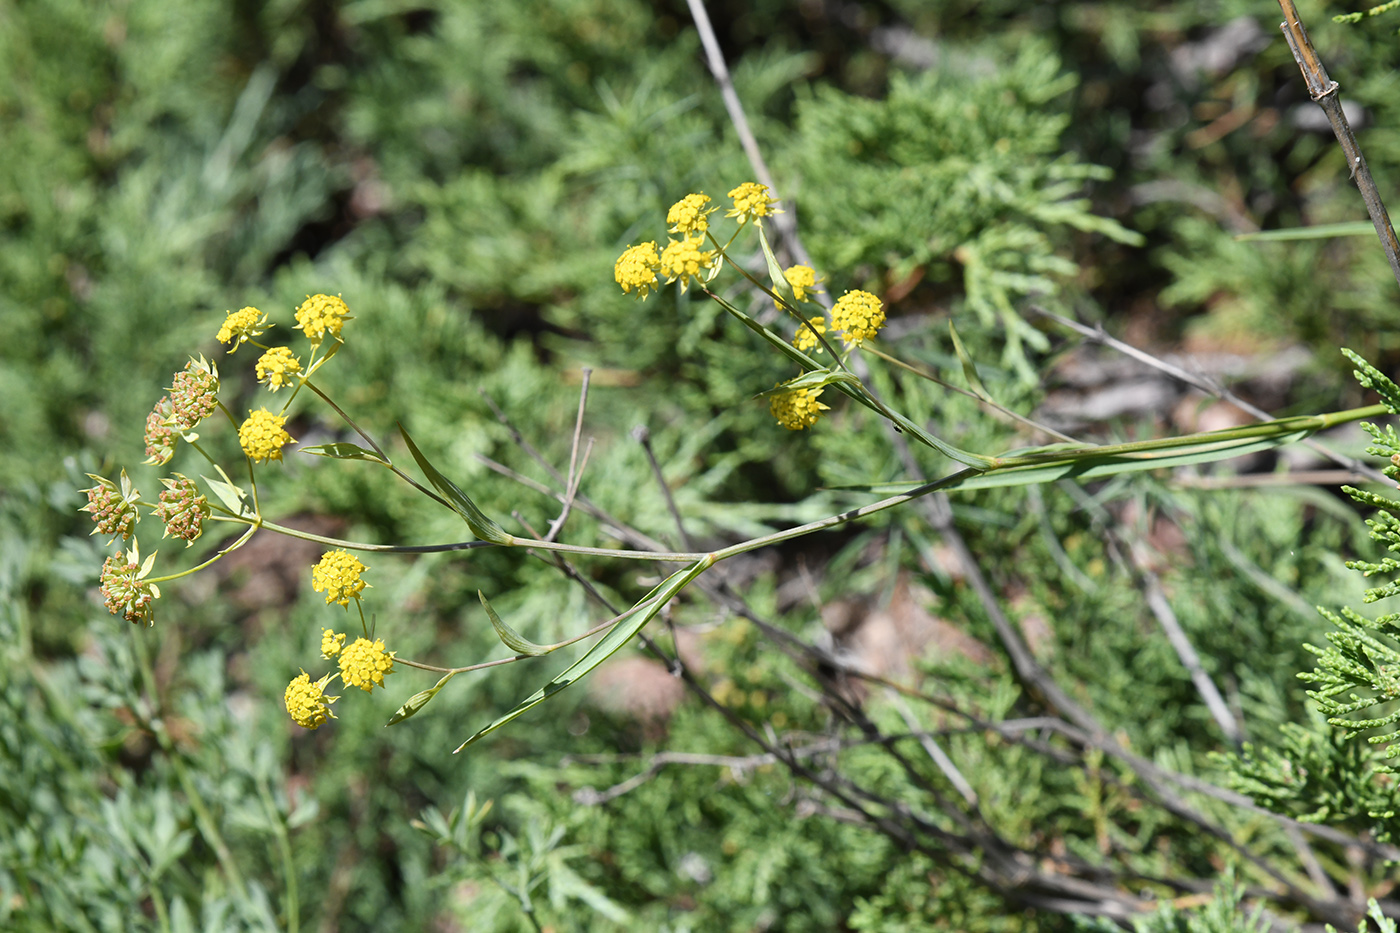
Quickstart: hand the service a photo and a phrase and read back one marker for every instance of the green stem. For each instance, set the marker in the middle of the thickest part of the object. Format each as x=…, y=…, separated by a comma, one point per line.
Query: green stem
x=203, y=818
x=284, y=848
x=1264, y=429
x=198, y=567
x=780, y=301
x=995, y=406
x=375, y=446
x=512, y=541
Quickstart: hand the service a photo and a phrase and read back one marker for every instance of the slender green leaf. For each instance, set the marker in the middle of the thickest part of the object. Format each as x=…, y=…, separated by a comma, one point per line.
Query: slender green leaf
x=343, y=451
x=816, y=379
x=1315, y=232
x=974, y=381
x=509, y=636
x=775, y=271
x=632, y=622
x=480, y=525
x=1092, y=467
x=418, y=701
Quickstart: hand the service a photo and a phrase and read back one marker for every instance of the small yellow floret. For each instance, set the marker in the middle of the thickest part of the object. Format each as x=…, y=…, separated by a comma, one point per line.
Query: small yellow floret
x=307, y=701
x=805, y=340
x=797, y=409
x=684, y=260
x=320, y=315
x=262, y=437
x=241, y=326
x=752, y=202
x=636, y=268
x=278, y=367
x=338, y=574
x=802, y=279
x=331, y=643
x=689, y=214
x=859, y=315
x=365, y=664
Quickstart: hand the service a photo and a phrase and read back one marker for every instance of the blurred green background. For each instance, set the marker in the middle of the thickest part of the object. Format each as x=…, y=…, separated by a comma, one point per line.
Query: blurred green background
x=464, y=174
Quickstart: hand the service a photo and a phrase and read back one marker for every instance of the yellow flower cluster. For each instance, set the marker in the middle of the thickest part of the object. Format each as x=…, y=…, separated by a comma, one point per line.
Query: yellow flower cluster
x=859, y=315
x=805, y=340
x=261, y=436
x=802, y=279
x=797, y=409
x=320, y=315
x=683, y=260
x=365, y=664
x=337, y=573
x=241, y=326
x=278, y=367
x=752, y=202
x=331, y=643
x=307, y=702
x=636, y=268
x=689, y=214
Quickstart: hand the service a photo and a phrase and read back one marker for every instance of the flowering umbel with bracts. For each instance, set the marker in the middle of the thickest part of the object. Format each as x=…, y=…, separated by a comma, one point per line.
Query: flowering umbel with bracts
x=331, y=643
x=320, y=315
x=307, y=702
x=337, y=574
x=278, y=367
x=182, y=509
x=637, y=268
x=261, y=436
x=124, y=589
x=797, y=409
x=160, y=436
x=859, y=315
x=805, y=339
x=194, y=394
x=802, y=279
x=688, y=215
x=752, y=202
x=241, y=326
x=114, y=510
x=365, y=664
x=684, y=260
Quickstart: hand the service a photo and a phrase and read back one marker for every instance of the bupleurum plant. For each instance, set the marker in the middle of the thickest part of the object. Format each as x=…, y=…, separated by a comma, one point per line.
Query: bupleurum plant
x=822, y=347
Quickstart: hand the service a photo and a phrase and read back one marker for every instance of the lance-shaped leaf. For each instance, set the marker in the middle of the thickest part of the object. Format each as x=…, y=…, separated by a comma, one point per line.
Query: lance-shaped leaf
x=234, y=498
x=974, y=381
x=816, y=379
x=632, y=622
x=775, y=272
x=480, y=525
x=1090, y=467
x=419, y=700
x=343, y=451
x=509, y=636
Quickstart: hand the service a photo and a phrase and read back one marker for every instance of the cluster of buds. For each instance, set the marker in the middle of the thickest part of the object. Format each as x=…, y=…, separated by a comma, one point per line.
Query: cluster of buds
x=194, y=394
x=124, y=587
x=182, y=509
x=113, y=508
